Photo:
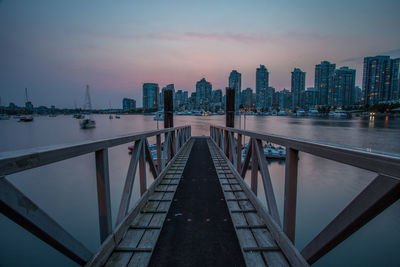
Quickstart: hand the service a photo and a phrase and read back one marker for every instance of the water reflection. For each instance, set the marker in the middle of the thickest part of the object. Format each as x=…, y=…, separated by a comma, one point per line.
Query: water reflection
x=67, y=190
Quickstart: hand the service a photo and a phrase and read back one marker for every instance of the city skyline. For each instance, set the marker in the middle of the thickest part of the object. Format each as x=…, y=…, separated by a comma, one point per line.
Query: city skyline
x=117, y=48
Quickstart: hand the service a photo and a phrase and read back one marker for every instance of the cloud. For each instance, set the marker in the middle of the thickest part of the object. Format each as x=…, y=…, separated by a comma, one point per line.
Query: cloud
x=393, y=52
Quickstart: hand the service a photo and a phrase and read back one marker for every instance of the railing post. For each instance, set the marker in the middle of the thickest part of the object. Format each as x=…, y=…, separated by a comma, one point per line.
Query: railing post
x=289, y=216
x=226, y=143
x=142, y=169
x=254, y=168
x=103, y=193
x=239, y=154
x=158, y=140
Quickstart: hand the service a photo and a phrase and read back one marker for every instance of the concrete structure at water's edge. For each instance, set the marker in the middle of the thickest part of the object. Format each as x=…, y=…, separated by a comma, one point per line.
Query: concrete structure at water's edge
x=203, y=94
x=380, y=80
x=323, y=74
x=262, y=84
x=235, y=82
x=298, y=87
x=128, y=104
x=150, y=96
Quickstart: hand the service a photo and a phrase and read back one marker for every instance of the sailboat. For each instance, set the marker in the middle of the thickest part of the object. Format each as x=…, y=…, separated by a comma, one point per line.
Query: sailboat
x=28, y=104
x=89, y=122
x=110, y=116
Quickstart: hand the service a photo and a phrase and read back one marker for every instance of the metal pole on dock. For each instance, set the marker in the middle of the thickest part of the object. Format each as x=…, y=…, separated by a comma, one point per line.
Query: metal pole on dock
x=168, y=109
x=230, y=107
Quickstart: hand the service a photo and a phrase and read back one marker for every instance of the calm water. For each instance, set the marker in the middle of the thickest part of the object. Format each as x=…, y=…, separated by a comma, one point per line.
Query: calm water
x=67, y=190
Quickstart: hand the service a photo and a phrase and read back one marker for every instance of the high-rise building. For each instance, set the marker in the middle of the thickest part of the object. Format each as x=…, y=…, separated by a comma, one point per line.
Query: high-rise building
x=357, y=95
x=285, y=99
x=203, y=94
x=150, y=96
x=128, y=104
x=217, y=96
x=380, y=79
x=247, y=98
x=262, y=82
x=298, y=87
x=342, y=83
x=235, y=82
x=269, y=96
x=323, y=73
x=310, y=98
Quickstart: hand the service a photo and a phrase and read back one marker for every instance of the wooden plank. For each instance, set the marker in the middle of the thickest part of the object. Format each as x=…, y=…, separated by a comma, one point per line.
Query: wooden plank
x=382, y=192
x=17, y=161
x=291, y=253
x=129, y=181
x=290, y=197
x=385, y=164
x=107, y=247
x=103, y=194
x=20, y=209
x=119, y=259
x=268, y=189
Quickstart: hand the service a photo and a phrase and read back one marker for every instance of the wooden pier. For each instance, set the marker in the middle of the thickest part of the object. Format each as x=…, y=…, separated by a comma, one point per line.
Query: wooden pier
x=199, y=210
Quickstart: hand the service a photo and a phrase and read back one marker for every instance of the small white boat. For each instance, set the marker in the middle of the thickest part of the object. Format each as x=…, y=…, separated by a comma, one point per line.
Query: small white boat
x=158, y=117
x=338, y=114
x=117, y=117
x=26, y=118
x=313, y=112
x=282, y=113
x=300, y=113
x=87, y=124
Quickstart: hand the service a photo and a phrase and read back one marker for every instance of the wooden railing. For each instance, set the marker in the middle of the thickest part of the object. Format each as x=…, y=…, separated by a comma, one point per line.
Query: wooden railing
x=376, y=197
x=23, y=211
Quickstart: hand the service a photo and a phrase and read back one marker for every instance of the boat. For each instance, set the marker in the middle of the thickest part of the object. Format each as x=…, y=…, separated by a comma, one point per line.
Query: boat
x=338, y=113
x=300, y=113
x=313, y=112
x=26, y=118
x=117, y=117
x=78, y=116
x=87, y=123
x=159, y=117
x=282, y=113
x=274, y=152
x=110, y=116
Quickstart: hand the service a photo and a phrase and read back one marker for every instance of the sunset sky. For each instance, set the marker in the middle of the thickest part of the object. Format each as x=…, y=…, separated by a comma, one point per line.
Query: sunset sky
x=56, y=47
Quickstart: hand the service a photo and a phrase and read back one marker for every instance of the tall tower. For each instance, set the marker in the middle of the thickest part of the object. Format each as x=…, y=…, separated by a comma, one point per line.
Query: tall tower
x=380, y=79
x=262, y=84
x=343, y=83
x=298, y=87
x=235, y=82
x=323, y=74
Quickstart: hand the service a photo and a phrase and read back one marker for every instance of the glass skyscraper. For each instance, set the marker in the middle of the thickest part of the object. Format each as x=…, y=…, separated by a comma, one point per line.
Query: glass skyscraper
x=323, y=74
x=235, y=81
x=262, y=83
x=298, y=87
x=150, y=96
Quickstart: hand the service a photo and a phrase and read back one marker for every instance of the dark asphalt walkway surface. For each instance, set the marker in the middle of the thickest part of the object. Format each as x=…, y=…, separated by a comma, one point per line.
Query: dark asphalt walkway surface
x=198, y=230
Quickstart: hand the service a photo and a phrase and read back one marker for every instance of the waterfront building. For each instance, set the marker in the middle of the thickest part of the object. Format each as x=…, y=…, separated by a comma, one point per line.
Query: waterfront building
x=150, y=96
x=285, y=99
x=269, y=95
x=128, y=104
x=357, y=95
x=217, y=96
x=235, y=82
x=203, y=94
x=342, y=82
x=323, y=73
x=262, y=82
x=298, y=87
x=247, y=98
x=380, y=79
x=310, y=98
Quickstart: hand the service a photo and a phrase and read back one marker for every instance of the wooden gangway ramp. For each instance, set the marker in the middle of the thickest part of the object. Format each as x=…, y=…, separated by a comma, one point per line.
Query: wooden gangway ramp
x=198, y=215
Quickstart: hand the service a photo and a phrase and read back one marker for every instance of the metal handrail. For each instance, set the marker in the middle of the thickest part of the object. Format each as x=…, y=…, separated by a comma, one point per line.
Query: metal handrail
x=23, y=211
x=383, y=191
